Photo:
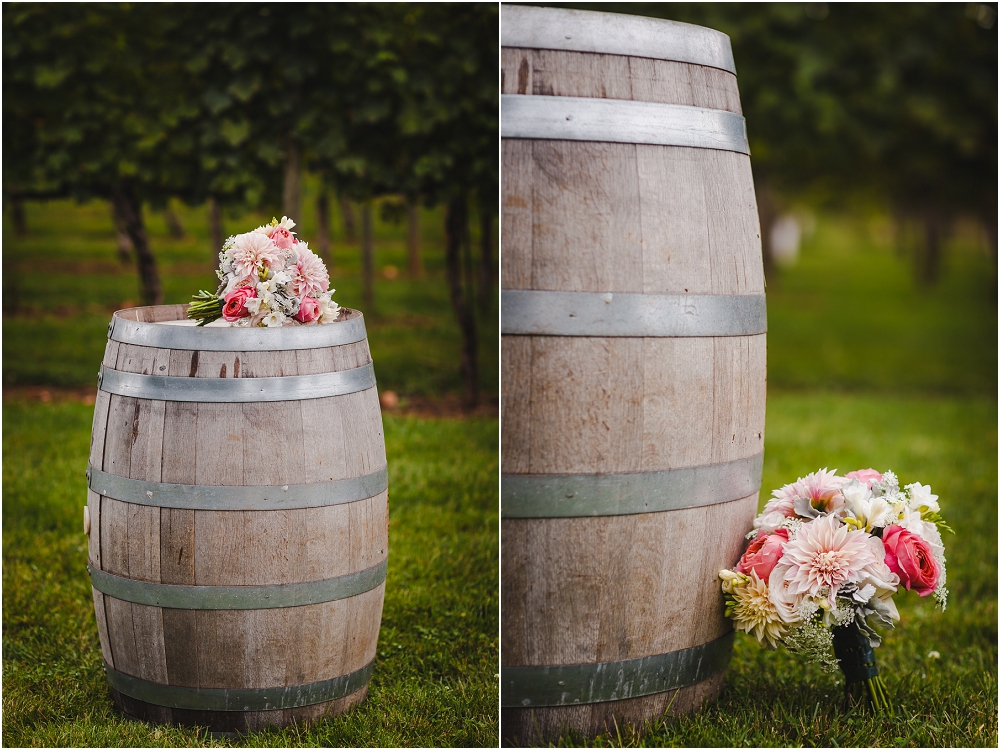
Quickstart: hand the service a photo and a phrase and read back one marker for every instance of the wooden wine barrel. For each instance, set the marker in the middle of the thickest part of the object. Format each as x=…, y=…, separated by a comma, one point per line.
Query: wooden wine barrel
x=633, y=366
x=238, y=503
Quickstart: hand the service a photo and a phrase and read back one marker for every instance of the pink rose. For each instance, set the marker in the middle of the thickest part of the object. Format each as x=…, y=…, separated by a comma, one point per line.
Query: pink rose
x=865, y=476
x=282, y=238
x=308, y=310
x=763, y=554
x=235, y=306
x=910, y=557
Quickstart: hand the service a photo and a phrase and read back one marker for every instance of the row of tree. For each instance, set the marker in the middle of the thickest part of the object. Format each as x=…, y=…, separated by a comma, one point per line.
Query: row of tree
x=892, y=104
x=227, y=104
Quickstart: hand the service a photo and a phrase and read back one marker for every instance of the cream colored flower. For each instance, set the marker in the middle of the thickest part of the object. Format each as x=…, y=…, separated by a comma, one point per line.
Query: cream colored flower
x=755, y=613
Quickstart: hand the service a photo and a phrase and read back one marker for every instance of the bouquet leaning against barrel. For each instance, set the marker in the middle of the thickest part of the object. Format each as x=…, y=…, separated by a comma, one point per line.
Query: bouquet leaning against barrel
x=238, y=498
x=826, y=557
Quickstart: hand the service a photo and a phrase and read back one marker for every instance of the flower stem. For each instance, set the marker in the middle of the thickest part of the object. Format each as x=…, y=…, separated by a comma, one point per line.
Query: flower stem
x=857, y=661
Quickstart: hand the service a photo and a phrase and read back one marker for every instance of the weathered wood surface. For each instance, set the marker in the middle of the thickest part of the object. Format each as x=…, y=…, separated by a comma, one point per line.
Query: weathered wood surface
x=237, y=444
x=623, y=218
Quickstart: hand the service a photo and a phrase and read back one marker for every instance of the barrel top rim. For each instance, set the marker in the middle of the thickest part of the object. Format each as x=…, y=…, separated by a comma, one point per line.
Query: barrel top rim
x=126, y=329
x=601, y=32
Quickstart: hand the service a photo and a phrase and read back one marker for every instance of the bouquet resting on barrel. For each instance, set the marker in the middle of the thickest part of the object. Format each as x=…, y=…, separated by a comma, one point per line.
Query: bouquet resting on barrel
x=268, y=277
x=826, y=556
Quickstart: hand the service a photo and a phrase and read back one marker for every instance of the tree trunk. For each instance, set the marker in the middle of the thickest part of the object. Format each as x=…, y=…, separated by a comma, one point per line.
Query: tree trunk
x=292, y=181
x=413, y=239
x=485, y=258
x=323, y=228
x=929, y=256
x=174, y=226
x=121, y=236
x=350, y=233
x=456, y=235
x=215, y=226
x=768, y=214
x=367, y=258
x=129, y=209
x=17, y=214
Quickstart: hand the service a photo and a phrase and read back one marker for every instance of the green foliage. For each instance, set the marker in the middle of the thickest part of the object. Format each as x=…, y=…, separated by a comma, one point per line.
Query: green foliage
x=434, y=682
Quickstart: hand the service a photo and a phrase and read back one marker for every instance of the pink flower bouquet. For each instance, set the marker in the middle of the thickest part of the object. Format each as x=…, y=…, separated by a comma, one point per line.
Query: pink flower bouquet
x=268, y=277
x=826, y=556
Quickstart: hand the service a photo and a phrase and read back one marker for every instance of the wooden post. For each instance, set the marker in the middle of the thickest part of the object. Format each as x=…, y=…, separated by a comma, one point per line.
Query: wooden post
x=174, y=226
x=350, y=232
x=456, y=234
x=215, y=227
x=129, y=209
x=123, y=242
x=413, y=239
x=323, y=228
x=485, y=258
x=367, y=257
x=292, y=180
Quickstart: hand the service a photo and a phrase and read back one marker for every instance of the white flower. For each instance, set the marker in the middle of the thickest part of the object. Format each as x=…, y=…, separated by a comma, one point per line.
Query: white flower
x=274, y=319
x=920, y=496
x=788, y=605
x=768, y=523
x=328, y=309
x=824, y=555
x=869, y=511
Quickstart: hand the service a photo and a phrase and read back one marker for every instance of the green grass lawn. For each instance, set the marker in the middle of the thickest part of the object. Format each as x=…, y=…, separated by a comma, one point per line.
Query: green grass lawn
x=435, y=674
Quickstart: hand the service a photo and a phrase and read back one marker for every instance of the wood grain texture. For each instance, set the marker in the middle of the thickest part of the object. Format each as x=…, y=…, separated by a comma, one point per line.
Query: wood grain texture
x=610, y=588
x=623, y=218
x=541, y=726
x=608, y=405
x=585, y=74
x=236, y=445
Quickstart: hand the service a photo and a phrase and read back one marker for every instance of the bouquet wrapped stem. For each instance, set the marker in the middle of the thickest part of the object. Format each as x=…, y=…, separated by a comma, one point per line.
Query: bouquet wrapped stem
x=857, y=661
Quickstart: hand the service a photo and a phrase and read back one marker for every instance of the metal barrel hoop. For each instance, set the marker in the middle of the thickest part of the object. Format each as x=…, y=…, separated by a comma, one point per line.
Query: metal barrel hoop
x=274, y=596
x=239, y=699
x=576, y=684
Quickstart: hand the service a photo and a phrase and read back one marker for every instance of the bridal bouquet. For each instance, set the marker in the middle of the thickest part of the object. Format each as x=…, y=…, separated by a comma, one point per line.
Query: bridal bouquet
x=268, y=277
x=826, y=556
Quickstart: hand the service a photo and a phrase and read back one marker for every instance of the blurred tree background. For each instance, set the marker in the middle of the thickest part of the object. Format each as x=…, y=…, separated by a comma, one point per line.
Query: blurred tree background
x=239, y=108
x=889, y=106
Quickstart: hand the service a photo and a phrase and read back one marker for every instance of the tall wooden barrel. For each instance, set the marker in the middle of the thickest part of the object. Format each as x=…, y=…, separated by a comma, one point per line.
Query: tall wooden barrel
x=238, y=519
x=633, y=366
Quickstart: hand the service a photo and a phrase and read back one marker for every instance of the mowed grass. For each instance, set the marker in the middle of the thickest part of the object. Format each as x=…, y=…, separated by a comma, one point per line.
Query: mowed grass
x=435, y=674
x=63, y=279
x=867, y=369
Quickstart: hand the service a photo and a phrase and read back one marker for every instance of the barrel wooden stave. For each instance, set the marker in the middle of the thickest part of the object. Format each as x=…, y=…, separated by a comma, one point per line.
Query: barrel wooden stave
x=234, y=444
x=599, y=76
x=613, y=588
x=623, y=218
x=539, y=726
x=628, y=218
x=662, y=403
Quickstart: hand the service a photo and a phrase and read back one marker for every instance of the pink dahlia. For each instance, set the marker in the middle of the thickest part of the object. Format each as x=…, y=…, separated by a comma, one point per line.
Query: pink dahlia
x=311, y=274
x=825, y=554
x=821, y=489
x=252, y=252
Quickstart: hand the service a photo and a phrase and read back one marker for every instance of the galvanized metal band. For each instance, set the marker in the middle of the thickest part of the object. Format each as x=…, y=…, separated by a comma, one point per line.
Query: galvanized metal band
x=575, y=684
x=237, y=390
x=195, y=338
x=538, y=313
x=237, y=597
x=214, y=497
x=239, y=699
x=584, y=495
x=614, y=34
x=572, y=118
